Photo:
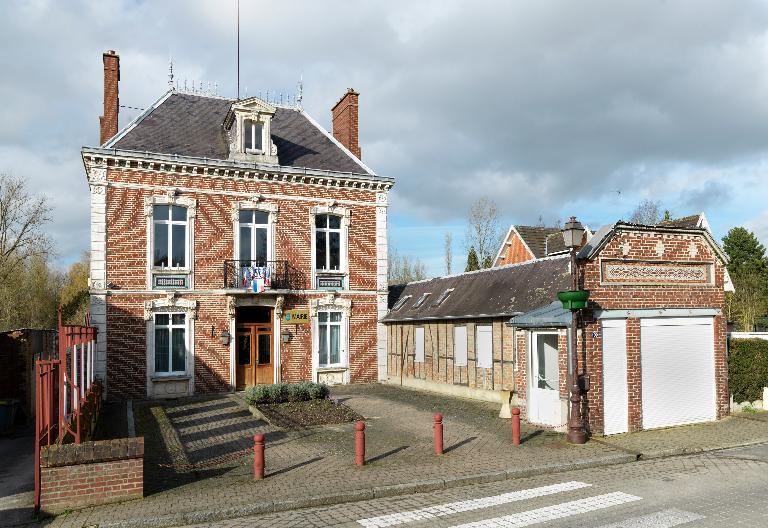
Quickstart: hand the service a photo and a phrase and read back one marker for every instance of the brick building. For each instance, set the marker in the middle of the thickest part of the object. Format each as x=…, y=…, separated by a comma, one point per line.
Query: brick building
x=233, y=242
x=651, y=342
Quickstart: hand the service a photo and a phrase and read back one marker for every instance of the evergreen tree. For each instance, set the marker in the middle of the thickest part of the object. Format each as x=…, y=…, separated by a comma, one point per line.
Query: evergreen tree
x=744, y=251
x=749, y=272
x=472, y=262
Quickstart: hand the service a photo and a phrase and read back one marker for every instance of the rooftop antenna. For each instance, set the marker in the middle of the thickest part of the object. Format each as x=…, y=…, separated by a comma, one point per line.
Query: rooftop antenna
x=300, y=91
x=170, y=73
x=238, y=49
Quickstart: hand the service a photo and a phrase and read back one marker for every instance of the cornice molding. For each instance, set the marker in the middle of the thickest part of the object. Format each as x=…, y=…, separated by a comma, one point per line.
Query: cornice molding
x=229, y=169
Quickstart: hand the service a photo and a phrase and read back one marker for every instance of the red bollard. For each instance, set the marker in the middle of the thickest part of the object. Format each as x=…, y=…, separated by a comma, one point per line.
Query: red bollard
x=515, y=426
x=360, y=443
x=258, y=456
x=438, y=434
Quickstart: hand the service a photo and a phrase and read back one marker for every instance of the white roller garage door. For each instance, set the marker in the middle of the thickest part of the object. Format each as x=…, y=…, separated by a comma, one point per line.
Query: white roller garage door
x=678, y=370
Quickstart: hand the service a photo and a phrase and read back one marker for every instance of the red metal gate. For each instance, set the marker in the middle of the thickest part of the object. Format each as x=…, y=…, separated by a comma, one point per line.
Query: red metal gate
x=62, y=387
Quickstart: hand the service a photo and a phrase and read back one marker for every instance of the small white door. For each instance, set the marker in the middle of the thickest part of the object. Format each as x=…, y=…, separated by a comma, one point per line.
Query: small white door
x=615, y=399
x=544, y=406
x=678, y=370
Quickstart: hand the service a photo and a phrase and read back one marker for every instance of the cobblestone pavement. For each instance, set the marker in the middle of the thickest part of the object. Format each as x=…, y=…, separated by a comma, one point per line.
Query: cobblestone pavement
x=701, y=491
x=319, y=461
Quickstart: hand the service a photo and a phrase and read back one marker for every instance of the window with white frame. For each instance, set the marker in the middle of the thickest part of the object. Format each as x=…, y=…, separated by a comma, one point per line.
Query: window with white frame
x=327, y=242
x=484, y=346
x=170, y=343
x=330, y=339
x=420, y=344
x=169, y=236
x=253, y=237
x=460, y=346
x=253, y=132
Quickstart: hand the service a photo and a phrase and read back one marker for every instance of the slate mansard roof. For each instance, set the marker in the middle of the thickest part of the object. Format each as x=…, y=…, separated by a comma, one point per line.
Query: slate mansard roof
x=494, y=292
x=193, y=125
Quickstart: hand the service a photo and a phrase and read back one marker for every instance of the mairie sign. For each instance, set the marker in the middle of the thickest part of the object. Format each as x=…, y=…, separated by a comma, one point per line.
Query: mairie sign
x=296, y=317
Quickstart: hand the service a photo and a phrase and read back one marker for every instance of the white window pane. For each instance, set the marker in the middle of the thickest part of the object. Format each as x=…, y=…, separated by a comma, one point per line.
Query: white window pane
x=323, y=342
x=161, y=350
x=546, y=355
x=161, y=245
x=484, y=346
x=178, y=214
x=245, y=243
x=179, y=350
x=178, y=258
x=420, y=345
x=335, y=344
x=460, y=346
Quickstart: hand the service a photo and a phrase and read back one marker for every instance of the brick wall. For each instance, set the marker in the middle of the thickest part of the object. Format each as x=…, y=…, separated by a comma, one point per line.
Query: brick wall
x=514, y=251
x=77, y=476
x=345, y=121
x=108, y=122
x=642, y=246
x=214, y=242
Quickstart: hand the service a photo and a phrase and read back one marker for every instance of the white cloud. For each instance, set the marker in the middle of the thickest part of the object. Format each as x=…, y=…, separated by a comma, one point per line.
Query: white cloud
x=548, y=106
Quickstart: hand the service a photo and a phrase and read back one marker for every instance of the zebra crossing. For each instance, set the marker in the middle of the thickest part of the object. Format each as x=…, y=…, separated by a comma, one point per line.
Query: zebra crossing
x=541, y=515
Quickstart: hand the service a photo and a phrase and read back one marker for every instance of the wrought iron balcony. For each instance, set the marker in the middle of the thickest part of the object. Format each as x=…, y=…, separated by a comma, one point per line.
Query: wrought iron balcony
x=262, y=275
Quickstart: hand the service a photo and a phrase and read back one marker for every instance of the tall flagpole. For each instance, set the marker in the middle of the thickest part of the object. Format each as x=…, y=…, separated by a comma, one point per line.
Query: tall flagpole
x=238, y=49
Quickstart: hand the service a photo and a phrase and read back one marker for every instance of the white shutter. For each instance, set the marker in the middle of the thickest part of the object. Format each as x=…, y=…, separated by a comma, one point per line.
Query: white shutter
x=678, y=370
x=460, y=346
x=420, y=344
x=484, y=347
x=615, y=399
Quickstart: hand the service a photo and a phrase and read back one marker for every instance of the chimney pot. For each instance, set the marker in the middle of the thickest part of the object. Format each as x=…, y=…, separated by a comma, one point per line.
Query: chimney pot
x=108, y=121
x=345, y=121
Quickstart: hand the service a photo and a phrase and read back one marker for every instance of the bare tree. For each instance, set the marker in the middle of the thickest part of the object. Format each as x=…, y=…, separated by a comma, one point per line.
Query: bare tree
x=647, y=212
x=448, y=253
x=483, y=232
x=22, y=218
x=403, y=269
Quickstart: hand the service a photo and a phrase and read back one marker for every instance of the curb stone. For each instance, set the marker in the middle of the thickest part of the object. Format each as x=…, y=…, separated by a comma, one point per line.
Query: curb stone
x=424, y=486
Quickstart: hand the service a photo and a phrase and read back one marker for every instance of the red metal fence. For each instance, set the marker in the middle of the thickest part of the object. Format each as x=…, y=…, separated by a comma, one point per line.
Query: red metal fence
x=62, y=387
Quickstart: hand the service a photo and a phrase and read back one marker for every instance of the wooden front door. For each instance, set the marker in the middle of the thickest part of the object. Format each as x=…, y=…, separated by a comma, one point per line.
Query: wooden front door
x=254, y=355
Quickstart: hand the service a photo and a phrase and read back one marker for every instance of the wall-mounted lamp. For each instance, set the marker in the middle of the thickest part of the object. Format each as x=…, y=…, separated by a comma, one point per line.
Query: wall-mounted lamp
x=225, y=337
x=286, y=335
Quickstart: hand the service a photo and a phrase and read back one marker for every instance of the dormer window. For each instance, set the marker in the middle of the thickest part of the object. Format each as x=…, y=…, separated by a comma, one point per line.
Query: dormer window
x=421, y=300
x=248, y=125
x=253, y=136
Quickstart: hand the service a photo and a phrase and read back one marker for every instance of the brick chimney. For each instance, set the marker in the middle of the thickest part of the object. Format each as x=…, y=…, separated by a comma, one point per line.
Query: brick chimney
x=108, y=122
x=344, y=114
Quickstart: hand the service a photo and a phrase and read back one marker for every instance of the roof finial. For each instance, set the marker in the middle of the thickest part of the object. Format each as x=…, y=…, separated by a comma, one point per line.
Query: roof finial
x=170, y=73
x=300, y=91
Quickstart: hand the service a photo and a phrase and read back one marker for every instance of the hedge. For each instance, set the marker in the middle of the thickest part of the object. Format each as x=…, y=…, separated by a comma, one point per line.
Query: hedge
x=747, y=369
x=286, y=392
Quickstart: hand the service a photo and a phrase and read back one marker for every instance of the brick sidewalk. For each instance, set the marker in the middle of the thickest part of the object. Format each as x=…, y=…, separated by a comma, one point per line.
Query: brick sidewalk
x=320, y=461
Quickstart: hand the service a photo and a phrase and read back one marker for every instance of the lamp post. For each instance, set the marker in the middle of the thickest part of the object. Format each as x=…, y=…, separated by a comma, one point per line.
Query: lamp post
x=573, y=233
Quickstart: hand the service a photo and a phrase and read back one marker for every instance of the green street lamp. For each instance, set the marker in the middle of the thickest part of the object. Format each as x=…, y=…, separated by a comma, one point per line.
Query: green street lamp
x=574, y=300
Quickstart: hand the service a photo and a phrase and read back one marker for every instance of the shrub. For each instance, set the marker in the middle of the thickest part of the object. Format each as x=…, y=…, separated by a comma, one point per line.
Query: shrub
x=299, y=391
x=747, y=368
x=319, y=391
x=284, y=392
x=257, y=394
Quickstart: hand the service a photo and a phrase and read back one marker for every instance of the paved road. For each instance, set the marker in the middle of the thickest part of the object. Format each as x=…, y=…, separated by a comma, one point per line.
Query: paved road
x=698, y=491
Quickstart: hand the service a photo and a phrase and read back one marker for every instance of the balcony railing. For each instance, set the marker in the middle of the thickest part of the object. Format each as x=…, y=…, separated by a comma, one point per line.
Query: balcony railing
x=262, y=275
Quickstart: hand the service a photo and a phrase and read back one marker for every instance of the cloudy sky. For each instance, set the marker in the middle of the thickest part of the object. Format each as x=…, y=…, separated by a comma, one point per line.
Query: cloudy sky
x=551, y=108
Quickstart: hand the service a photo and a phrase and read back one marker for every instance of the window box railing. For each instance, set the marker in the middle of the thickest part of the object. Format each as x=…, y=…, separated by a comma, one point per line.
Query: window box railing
x=258, y=276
